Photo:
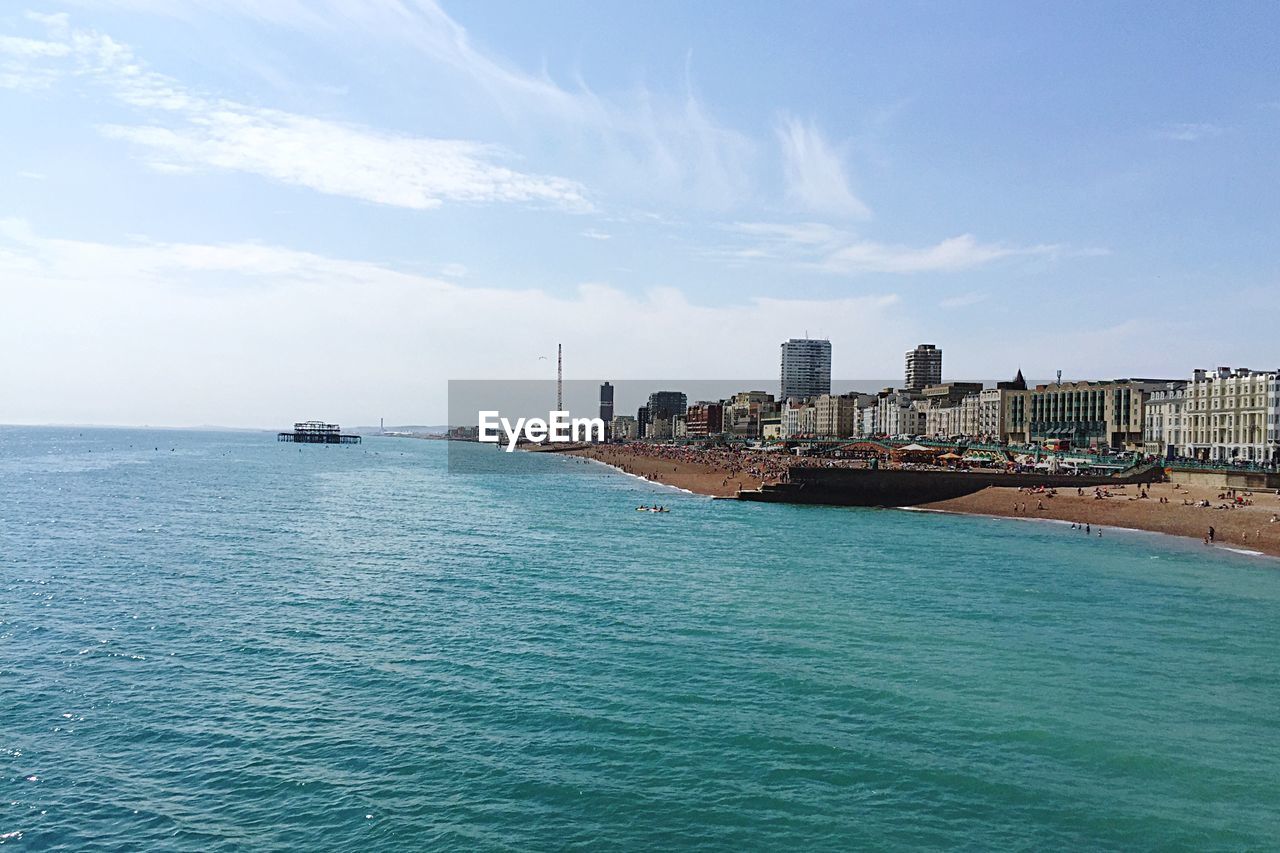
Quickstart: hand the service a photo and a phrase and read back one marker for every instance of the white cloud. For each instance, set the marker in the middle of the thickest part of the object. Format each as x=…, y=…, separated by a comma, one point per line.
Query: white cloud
x=815, y=173
x=801, y=233
x=192, y=131
x=176, y=333
x=593, y=234
x=1189, y=131
x=963, y=300
x=647, y=144
x=349, y=161
x=815, y=245
x=952, y=254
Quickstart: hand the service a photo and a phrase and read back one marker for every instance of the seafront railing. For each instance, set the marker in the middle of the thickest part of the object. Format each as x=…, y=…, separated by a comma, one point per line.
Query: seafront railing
x=1206, y=465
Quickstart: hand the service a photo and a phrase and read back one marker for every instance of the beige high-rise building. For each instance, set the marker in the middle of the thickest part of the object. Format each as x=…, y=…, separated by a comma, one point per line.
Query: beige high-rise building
x=924, y=367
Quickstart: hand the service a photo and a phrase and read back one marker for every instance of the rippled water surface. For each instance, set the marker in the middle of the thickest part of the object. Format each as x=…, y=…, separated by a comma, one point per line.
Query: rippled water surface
x=211, y=641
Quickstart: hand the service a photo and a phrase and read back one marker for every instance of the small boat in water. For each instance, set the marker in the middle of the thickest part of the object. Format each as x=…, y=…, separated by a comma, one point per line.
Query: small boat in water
x=652, y=509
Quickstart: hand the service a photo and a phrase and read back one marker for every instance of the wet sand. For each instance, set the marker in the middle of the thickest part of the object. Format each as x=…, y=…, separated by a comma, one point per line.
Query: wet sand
x=1247, y=527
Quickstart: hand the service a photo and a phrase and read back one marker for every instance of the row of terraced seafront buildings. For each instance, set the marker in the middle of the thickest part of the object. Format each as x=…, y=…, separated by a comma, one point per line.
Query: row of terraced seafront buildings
x=1221, y=415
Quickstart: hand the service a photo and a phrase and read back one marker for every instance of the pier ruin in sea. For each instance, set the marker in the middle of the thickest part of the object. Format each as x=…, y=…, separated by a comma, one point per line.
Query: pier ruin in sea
x=317, y=432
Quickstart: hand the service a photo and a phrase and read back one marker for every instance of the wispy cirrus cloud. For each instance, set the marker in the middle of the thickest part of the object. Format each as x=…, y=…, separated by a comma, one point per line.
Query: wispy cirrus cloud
x=964, y=300
x=188, y=130
x=815, y=172
x=950, y=255
x=643, y=143
x=1189, y=131
x=819, y=246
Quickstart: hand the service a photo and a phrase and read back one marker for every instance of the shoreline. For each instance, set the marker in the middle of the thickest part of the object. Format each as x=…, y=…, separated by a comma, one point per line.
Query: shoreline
x=1244, y=552
x=644, y=479
x=699, y=478
x=1245, y=530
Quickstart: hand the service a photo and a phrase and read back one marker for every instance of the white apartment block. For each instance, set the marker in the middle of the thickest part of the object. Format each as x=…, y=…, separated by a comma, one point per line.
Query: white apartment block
x=1164, y=422
x=868, y=418
x=1233, y=414
x=991, y=414
x=941, y=421
x=805, y=368
x=898, y=413
x=968, y=415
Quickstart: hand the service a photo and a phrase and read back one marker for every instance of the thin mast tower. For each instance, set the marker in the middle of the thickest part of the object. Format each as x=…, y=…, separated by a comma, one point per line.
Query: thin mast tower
x=559, y=378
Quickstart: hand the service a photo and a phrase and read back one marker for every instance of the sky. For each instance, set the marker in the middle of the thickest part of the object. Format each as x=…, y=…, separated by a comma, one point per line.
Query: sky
x=248, y=213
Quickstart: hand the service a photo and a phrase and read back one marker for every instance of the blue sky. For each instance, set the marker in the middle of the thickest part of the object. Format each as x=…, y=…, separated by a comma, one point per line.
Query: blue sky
x=197, y=197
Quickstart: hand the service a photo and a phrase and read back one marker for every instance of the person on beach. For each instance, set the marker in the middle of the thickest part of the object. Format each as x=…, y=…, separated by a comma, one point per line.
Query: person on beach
x=1212, y=534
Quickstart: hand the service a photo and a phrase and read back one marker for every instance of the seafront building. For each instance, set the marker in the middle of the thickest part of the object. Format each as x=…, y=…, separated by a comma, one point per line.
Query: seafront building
x=1164, y=424
x=793, y=416
x=623, y=428
x=898, y=414
x=951, y=408
x=868, y=416
x=667, y=404
x=1105, y=414
x=1225, y=415
x=1233, y=414
x=744, y=410
x=837, y=414
x=924, y=367
x=606, y=402
x=705, y=418
x=805, y=368
x=993, y=404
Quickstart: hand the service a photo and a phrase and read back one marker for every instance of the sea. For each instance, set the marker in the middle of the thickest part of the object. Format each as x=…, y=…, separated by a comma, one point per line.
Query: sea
x=213, y=641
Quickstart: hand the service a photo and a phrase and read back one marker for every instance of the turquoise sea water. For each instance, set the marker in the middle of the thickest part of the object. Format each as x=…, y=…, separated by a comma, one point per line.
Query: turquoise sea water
x=211, y=641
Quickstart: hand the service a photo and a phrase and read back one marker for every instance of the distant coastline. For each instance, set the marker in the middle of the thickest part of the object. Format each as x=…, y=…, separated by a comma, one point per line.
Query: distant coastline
x=1247, y=527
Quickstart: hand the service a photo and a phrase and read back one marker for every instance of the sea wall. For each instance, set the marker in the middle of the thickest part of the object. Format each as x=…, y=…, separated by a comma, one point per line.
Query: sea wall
x=897, y=487
x=1225, y=479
